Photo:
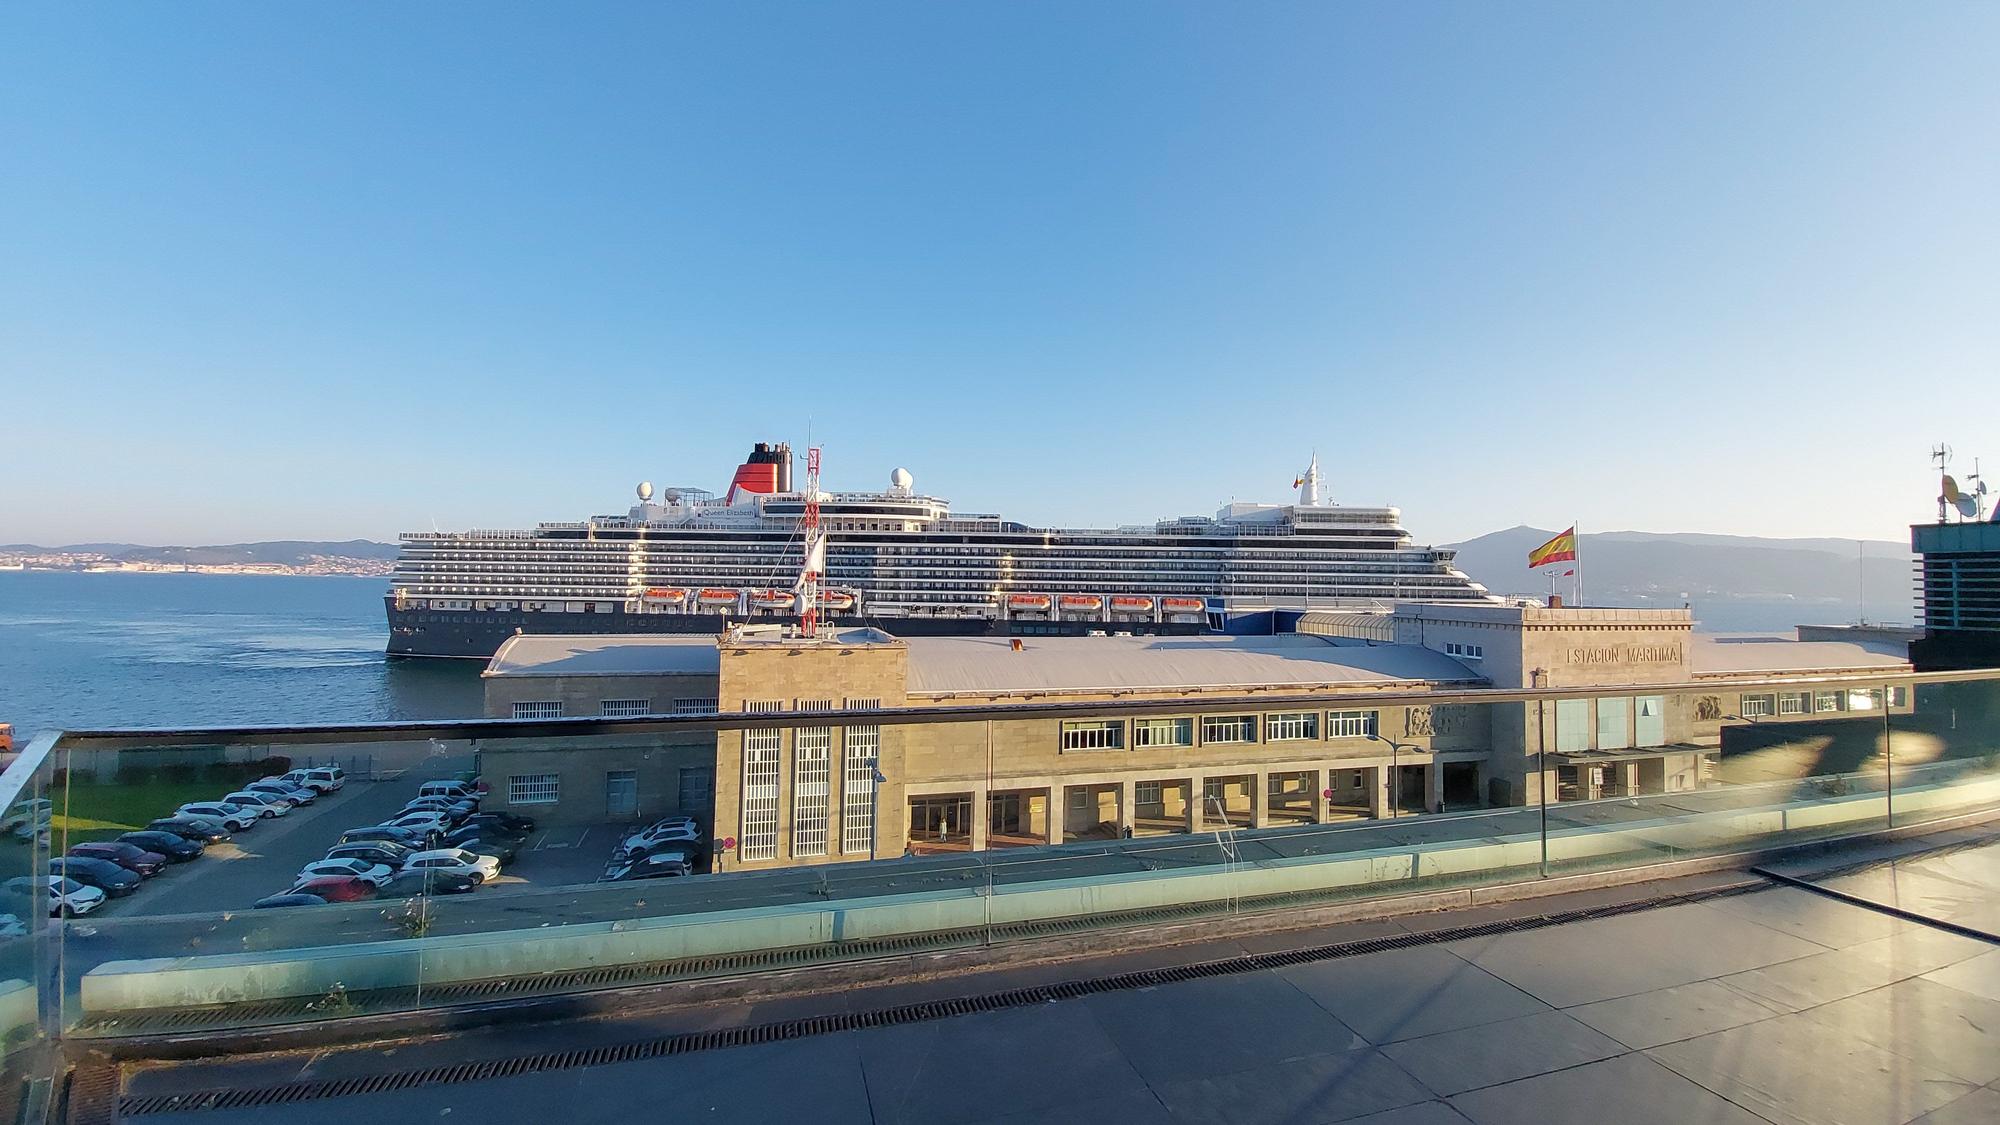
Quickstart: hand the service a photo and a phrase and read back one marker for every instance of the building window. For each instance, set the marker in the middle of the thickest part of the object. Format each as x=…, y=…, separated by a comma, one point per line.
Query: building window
x=1228, y=728
x=1162, y=732
x=1899, y=697
x=538, y=709
x=1350, y=724
x=860, y=747
x=1826, y=701
x=758, y=837
x=1649, y=720
x=1079, y=800
x=864, y=705
x=1094, y=734
x=622, y=708
x=1794, y=703
x=1572, y=725
x=534, y=789
x=811, y=777
x=1861, y=700
x=1614, y=721
x=758, y=832
x=1758, y=706
x=1148, y=795
x=1291, y=726
x=695, y=706
x=1464, y=651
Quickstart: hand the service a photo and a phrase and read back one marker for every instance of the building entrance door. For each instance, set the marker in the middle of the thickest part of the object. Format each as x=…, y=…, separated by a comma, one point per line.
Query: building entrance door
x=621, y=795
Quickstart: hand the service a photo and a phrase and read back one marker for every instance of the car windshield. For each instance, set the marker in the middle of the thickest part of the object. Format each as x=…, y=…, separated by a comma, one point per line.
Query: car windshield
x=66, y=885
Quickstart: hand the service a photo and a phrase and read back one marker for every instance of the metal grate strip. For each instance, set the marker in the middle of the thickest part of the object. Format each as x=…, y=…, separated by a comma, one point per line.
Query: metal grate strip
x=318, y=1089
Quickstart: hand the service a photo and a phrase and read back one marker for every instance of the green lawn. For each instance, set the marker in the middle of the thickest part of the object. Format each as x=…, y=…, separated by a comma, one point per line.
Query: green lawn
x=100, y=811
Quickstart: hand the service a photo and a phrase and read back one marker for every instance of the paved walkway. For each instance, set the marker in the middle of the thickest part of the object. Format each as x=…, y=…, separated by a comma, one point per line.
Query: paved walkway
x=1776, y=1006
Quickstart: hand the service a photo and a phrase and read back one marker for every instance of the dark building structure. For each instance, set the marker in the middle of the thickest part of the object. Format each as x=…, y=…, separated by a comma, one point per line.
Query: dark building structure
x=1959, y=579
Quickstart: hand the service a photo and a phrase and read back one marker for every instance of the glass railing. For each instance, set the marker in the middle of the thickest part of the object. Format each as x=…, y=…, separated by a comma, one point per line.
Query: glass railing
x=466, y=863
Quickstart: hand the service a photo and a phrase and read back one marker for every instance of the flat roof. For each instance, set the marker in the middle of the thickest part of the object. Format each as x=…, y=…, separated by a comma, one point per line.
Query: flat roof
x=1710, y=653
x=1134, y=663
x=605, y=655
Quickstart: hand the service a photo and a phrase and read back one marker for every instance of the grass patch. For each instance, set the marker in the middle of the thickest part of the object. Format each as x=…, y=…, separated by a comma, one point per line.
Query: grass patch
x=97, y=811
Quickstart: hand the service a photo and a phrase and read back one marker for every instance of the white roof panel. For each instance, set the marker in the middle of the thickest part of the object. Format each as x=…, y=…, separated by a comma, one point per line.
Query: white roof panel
x=1131, y=663
x=527, y=655
x=1780, y=652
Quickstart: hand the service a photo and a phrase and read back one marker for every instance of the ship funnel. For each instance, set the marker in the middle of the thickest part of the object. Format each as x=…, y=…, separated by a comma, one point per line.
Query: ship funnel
x=759, y=472
x=784, y=467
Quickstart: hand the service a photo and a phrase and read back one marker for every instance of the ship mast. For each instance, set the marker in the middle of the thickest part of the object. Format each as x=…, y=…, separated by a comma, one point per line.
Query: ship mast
x=815, y=557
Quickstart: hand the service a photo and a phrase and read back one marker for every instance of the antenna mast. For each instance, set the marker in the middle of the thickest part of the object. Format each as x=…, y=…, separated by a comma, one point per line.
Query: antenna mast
x=815, y=559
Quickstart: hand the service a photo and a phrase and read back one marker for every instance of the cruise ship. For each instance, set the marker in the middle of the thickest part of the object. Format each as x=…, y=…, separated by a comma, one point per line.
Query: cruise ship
x=685, y=560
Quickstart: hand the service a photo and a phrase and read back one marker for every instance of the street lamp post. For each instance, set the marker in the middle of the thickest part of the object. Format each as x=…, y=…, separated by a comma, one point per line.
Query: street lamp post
x=1395, y=772
x=874, y=805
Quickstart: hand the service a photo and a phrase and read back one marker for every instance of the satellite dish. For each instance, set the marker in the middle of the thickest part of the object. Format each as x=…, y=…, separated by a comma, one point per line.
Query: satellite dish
x=645, y=490
x=900, y=479
x=673, y=495
x=1951, y=492
x=1968, y=506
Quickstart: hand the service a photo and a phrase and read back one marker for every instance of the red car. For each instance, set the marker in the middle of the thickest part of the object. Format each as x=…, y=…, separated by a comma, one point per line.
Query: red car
x=131, y=857
x=335, y=888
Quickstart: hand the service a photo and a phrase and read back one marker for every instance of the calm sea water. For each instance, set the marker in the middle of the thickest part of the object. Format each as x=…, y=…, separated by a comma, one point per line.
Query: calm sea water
x=82, y=651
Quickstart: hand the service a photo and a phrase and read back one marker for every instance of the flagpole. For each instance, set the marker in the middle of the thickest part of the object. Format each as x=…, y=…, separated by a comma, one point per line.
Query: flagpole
x=1577, y=590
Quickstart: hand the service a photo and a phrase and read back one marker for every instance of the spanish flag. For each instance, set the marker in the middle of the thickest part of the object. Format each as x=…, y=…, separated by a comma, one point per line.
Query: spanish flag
x=1560, y=549
x=1298, y=482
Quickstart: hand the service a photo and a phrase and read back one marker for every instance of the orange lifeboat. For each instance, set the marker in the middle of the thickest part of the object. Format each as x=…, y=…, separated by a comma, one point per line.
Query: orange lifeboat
x=1080, y=603
x=772, y=599
x=1038, y=603
x=1183, y=605
x=666, y=595
x=836, y=599
x=717, y=597
x=1131, y=604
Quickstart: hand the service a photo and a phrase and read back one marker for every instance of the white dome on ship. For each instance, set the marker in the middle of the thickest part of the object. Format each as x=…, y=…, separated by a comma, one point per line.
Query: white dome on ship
x=900, y=478
x=645, y=490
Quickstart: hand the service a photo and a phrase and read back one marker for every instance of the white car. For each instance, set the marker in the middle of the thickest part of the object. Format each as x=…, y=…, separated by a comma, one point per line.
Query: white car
x=233, y=817
x=374, y=873
x=295, y=795
x=320, y=779
x=263, y=804
x=451, y=790
x=65, y=896
x=676, y=830
x=479, y=867
x=428, y=823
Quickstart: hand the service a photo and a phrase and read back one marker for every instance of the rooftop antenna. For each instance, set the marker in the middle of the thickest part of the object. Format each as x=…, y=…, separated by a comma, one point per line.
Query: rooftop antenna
x=1941, y=457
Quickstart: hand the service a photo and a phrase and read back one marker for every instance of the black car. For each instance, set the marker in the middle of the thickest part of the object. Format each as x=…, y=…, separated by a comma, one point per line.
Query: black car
x=409, y=884
x=198, y=828
x=384, y=834
x=177, y=849
x=506, y=821
x=387, y=854
x=648, y=867
x=287, y=899
x=103, y=874
x=501, y=848
x=682, y=850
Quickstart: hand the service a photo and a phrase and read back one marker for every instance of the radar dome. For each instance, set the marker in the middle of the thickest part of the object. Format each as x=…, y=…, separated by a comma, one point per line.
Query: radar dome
x=645, y=490
x=900, y=478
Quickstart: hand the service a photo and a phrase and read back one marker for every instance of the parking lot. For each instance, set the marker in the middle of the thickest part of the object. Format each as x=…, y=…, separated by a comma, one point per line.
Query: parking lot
x=266, y=860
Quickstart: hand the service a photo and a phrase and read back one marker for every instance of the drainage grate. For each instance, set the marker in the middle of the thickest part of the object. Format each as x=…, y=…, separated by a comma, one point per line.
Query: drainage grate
x=686, y=1043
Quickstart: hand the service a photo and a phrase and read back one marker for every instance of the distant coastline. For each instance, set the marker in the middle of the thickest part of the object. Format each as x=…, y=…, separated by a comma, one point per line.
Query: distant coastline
x=355, y=558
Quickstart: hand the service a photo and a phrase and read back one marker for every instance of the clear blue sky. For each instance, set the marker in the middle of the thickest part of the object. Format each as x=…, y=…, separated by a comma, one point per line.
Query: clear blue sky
x=289, y=270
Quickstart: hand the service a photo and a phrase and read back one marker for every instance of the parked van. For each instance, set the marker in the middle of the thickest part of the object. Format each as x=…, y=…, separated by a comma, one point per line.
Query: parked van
x=453, y=790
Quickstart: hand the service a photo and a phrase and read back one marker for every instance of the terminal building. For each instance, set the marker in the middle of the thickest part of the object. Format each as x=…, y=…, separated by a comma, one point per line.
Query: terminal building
x=1958, y=579
x=887, y=745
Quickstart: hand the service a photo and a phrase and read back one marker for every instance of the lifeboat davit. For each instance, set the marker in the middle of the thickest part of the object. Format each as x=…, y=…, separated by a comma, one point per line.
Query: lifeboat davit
x=1036, y=602
x=772, y=599
x=666, y=595
x=1130, y=604
x=1183, y=605
x=717, y=597
x=1080, y=603
x=836, y=599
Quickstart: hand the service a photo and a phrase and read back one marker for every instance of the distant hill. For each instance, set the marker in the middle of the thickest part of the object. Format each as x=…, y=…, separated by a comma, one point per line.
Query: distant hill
x=1641, y=568
x=282, y=552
